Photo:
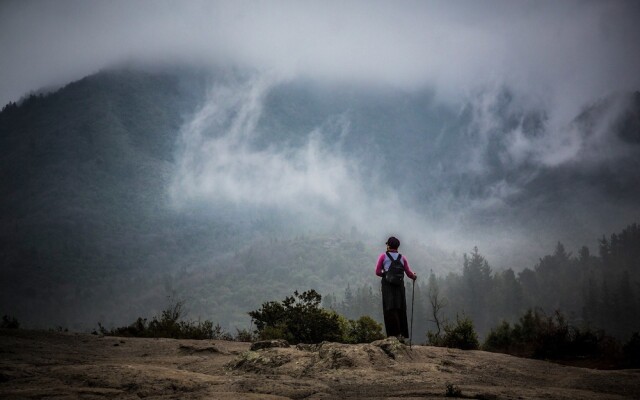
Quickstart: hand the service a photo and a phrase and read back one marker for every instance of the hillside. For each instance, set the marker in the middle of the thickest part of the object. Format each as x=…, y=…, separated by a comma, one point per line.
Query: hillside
x=83, y=189
x=45, y=364
x=229, y=189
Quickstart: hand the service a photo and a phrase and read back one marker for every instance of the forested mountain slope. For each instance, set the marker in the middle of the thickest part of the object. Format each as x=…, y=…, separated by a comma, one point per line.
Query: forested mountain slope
x=135, y=184
x=84, y=174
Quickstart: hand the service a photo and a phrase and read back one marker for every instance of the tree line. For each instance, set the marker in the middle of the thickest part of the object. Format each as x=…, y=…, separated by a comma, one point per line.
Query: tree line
x=596, y=292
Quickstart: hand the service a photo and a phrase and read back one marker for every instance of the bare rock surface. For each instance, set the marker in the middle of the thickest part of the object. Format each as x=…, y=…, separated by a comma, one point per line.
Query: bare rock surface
x=35, y=365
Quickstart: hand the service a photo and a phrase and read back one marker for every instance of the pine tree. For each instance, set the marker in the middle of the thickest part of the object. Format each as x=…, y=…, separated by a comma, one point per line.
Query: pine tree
x=476, y=275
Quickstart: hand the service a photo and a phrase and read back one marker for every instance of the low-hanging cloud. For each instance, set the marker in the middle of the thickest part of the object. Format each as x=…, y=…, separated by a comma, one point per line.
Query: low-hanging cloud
x=588, y=138
x=316, y=183
x=556, y=57
x=218, y=163
x=559, y=53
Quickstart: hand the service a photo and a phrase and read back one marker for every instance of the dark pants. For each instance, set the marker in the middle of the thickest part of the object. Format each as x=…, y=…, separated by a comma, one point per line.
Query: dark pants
x=394, y=309
x=395, y=323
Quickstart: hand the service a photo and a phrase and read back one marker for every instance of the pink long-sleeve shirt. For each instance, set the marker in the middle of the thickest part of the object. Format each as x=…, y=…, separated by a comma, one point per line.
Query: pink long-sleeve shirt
x=384, y=263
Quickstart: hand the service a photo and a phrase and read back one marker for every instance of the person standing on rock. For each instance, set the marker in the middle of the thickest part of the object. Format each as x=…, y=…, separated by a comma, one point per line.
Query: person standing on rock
x=392, y=266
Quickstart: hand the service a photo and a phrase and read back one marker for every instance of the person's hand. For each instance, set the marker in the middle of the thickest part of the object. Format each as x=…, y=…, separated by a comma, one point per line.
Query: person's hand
x=415, y=276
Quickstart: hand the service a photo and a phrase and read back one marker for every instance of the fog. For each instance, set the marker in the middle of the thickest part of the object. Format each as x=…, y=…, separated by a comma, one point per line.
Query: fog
x=323, y=183
x=318, y=184
x=554, y=58
x=557, y=52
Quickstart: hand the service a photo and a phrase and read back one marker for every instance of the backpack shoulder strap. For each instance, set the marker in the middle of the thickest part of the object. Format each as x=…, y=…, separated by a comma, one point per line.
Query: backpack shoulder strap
x=395, y=259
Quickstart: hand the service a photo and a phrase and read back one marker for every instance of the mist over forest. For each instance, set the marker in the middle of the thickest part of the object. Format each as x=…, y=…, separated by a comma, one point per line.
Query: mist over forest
x=230, y=164
x=227, y=189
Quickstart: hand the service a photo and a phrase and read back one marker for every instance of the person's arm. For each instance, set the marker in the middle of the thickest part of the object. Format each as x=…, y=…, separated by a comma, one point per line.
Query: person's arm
x=380, y=264
x=407, y=269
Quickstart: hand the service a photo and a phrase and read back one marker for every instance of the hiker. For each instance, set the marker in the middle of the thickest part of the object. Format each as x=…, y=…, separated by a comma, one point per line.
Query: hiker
x=391, y=267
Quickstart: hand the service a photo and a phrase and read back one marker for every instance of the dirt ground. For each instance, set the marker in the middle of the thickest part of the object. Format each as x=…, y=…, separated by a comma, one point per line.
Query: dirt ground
x=48, y=365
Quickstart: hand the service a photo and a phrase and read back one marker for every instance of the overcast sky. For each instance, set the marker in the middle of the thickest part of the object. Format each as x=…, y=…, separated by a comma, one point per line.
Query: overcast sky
x=553, y=51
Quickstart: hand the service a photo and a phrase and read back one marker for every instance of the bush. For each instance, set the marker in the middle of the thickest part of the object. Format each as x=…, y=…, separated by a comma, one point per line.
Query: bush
x=273, y=333
x=452, y=391
x=500, y=339
x=219, y=333
x=549, y=337
x=552, y=339
x=169, y=325
x=434, y=339
x=631, y=351
x=462, y=335
x=297, y=319
x=9, y=323
x=346, y=326
x=244, y=335
x=364, y=330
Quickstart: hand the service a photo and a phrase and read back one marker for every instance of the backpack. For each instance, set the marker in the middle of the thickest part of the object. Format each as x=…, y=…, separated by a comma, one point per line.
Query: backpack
x=395, y=273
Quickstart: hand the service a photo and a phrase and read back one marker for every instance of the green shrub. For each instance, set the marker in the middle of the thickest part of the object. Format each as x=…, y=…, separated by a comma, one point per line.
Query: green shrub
x=549, y=337
x=631, y=351
x=298, y=319
x=552, y=337
x=218, y=333
x=9, y=322
x=169, y=324
x=434, y=339
x=586, y=343
x=499, y=339
x=460, y=335
x=364, y=330
x=452, y=391
x=346, y=326
x=274, y=332
x=244, y=335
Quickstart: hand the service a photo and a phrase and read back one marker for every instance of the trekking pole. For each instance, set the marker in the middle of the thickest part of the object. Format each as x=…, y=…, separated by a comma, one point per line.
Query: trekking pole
x=413, y=293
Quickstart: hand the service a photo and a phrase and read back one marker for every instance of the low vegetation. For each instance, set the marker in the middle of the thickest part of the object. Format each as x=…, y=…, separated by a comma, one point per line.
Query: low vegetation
x=9, y=322
x=631, y=351
x=460, y=335
x=595, y=289
x=297, y=319
x=537, y=335
x=170, y=324
x=300, y=319
x=452, y=391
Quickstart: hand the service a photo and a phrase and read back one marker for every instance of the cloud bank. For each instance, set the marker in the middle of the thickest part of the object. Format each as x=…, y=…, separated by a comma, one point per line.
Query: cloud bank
x=315, y=182
x=319, y=185
x=553, y=51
